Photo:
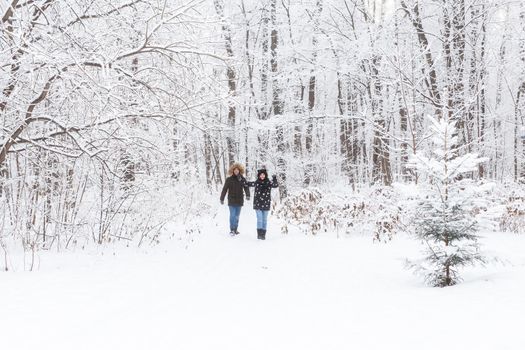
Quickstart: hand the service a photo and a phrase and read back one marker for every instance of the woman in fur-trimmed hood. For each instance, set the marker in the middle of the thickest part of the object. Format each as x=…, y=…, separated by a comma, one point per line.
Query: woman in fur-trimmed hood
x=235, y=186
x=262, y=198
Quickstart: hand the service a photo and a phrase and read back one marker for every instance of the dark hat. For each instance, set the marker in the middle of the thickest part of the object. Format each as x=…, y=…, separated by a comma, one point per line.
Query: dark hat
x=262, y=171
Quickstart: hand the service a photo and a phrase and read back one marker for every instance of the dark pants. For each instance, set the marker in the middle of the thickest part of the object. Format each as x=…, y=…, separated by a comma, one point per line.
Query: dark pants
x=235, y=212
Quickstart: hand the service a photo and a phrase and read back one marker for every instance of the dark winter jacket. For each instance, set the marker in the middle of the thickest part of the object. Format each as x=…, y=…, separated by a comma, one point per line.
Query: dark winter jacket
x=263, y=188
x=234, y=186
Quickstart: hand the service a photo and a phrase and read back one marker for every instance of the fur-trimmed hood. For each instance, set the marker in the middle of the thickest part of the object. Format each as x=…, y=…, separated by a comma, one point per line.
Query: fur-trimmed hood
x=238, y=166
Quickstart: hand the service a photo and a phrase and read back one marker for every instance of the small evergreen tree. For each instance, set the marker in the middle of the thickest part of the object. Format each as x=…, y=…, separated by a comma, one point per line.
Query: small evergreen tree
x=444, y=220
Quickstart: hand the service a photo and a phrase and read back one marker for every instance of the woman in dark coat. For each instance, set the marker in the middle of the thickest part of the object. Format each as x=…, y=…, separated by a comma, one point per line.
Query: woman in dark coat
x=262, y=199
x=234, y=185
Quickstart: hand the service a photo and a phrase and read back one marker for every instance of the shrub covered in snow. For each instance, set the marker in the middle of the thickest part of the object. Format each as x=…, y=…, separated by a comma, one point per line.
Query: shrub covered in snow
x=140, y=215
x=512, y=218
x=376, y=211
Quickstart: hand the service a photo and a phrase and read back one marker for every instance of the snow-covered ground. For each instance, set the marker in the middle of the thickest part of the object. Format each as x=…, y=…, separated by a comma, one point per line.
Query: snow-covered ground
x=288, y=292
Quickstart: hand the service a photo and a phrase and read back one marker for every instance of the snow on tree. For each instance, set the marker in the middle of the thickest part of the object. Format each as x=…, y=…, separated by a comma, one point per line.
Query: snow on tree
x=101, y=98
x=444, y=218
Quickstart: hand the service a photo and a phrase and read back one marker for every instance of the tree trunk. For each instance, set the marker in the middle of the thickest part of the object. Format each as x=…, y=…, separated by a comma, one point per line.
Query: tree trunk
x=277, y=104
x=232, y=84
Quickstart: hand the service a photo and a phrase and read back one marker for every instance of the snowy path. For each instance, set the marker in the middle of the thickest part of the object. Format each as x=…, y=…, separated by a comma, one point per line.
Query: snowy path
x=289, y=292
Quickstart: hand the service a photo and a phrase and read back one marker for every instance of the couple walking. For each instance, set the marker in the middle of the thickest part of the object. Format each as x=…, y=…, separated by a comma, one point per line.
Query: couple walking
x=236, y=185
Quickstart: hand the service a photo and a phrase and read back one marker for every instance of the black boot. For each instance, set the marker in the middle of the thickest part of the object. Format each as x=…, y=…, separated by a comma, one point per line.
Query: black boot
x=263, y=234
x=259, y=233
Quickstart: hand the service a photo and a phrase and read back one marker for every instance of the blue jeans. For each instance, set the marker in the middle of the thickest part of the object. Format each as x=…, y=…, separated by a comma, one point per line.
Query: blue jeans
x=235, y=212
x=262, y=219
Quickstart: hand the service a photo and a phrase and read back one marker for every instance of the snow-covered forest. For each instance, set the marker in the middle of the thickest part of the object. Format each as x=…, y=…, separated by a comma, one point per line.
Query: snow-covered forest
x=395, y=129
x=105, y=101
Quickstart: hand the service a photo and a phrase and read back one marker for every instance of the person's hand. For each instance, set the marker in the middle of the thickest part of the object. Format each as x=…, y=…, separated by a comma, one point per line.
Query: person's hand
x=222, y=202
